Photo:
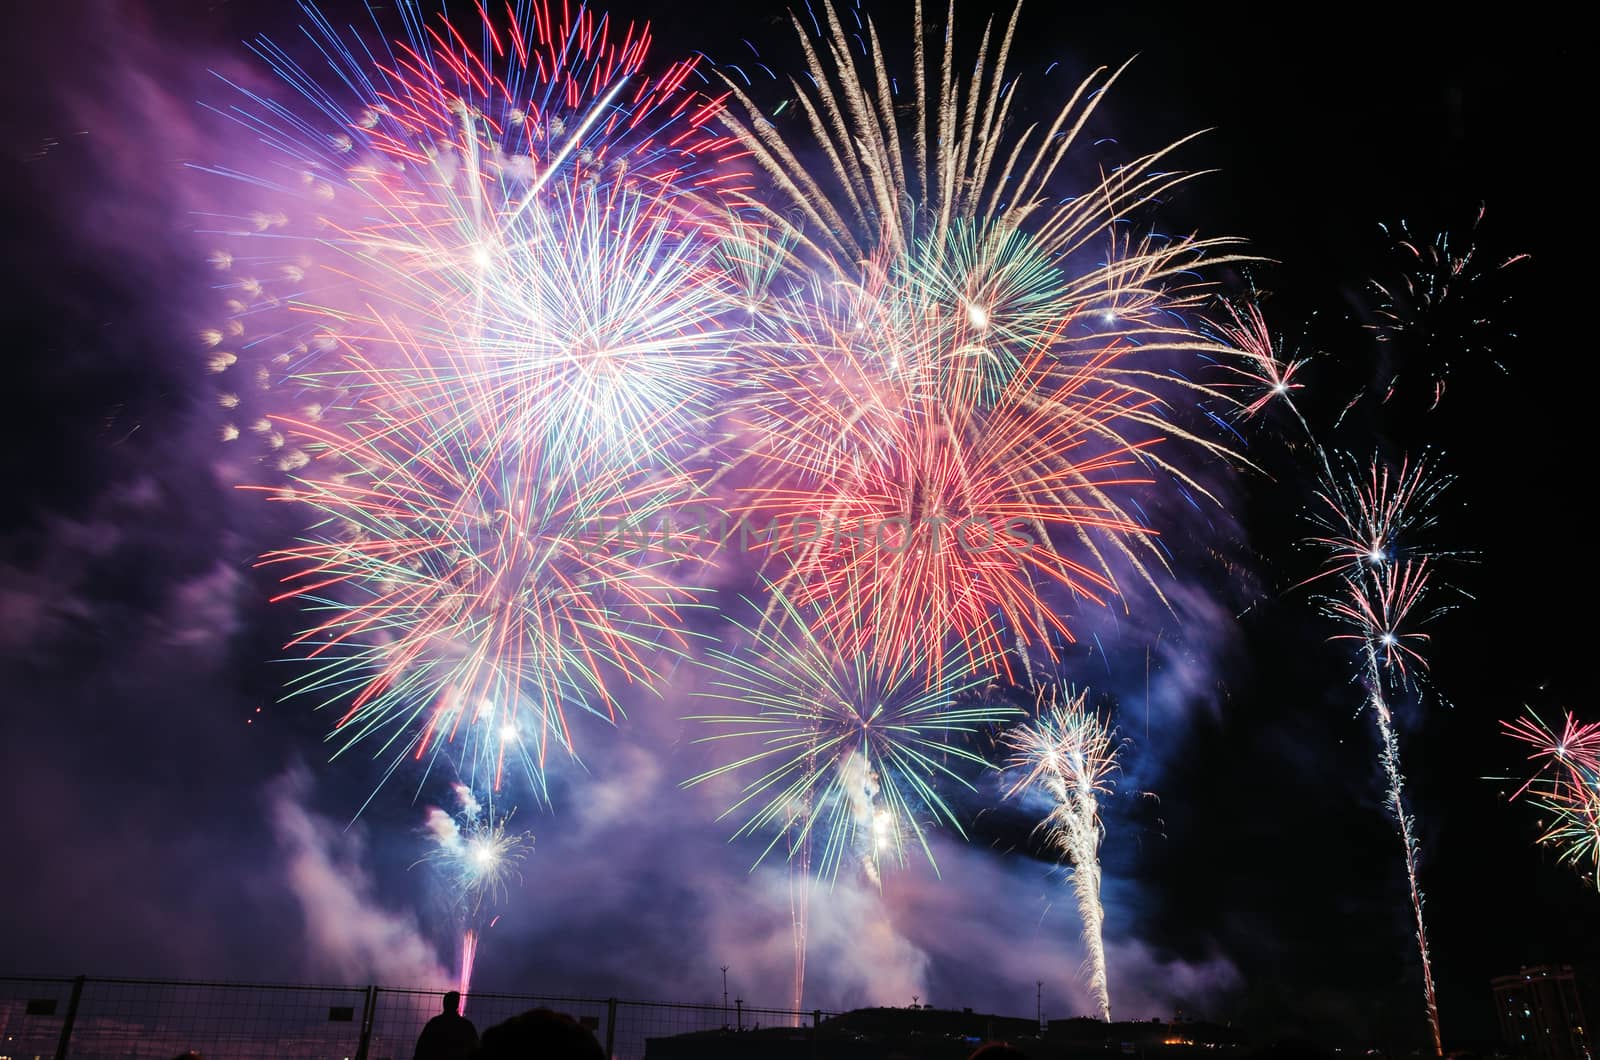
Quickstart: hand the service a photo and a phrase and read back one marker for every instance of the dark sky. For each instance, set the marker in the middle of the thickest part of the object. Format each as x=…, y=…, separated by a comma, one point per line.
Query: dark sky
x=152, y=831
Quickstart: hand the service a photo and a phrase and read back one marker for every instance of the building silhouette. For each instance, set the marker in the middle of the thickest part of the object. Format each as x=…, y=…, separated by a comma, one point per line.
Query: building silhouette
x=1541, y=1013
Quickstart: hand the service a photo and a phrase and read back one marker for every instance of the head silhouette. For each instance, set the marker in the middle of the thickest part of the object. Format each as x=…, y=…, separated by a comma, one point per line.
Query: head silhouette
x=452, y=1002
x=539, y=1033
x=998, y=1051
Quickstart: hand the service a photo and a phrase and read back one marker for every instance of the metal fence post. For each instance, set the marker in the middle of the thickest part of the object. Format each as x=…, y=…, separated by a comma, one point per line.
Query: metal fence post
x=72, y=1015
x=368, y=1011
x=738, y=1009
x=611, y=1026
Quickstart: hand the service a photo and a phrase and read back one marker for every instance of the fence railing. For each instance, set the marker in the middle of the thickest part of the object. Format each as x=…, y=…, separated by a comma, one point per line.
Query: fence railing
x=86, y=1018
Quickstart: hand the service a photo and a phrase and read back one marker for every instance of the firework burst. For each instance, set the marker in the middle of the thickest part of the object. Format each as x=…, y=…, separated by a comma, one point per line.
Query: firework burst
x=984, y=352
x=475, y=852
x=841, y=755
x=466, y=595
x=950, y=221
x=1264, y=371
x=1069, y=755
x=535, y=197
x=1564, y=787
x=1369, y=522
x=837, y=745
x=595, y=328
x=1440, y=302
x=952, y=522
x=946, y=512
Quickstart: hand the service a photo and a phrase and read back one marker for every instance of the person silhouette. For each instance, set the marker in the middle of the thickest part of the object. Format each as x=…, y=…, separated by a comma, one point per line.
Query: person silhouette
x=449, y=1035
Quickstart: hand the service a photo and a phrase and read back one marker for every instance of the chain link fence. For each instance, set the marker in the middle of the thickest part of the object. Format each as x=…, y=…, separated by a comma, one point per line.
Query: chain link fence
x=152, y=1019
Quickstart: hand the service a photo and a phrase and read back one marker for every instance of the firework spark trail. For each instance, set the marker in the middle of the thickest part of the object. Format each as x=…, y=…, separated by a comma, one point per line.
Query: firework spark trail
x=1070, y=754
x=1380, y=581
x=1565, y=785
x=800, y=914
x=469, y=958
x=1406, y=824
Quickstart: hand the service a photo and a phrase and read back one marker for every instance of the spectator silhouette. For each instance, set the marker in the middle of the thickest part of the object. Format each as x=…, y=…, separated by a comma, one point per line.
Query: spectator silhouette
x=539, y=1034
x=449, y=1035
x=998, y=1051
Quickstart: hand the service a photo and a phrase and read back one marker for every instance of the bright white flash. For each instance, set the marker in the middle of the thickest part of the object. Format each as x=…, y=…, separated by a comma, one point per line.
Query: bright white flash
x=881, y=822
x=978, y=316
x=482, y=854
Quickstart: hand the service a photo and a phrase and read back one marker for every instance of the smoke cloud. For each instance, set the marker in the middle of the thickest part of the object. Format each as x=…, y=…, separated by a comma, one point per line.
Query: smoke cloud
x=348, y=935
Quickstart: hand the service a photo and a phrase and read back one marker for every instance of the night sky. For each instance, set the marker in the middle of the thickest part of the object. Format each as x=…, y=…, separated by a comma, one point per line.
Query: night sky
x=170, y=817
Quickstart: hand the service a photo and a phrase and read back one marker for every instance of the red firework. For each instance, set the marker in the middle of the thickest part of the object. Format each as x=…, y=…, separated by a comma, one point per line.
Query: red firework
x=941, y=519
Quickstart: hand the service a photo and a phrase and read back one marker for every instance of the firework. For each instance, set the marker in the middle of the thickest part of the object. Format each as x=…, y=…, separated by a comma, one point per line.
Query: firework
x=951, y=494
x=952, y=162
x=1370, y=522
x=532, y=200
x=1265, y=371
x=951, y=523
x=1380, y=581
x=1441, y=303
x=467, y=594
x=847, y=748
x=841, y=756
x=951, y=223
x=1069, y=754
x=594, y=327
x=1565, y=786
x=972, y=385
x=1377, y=610
x=475, y=852
x=476, y=315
